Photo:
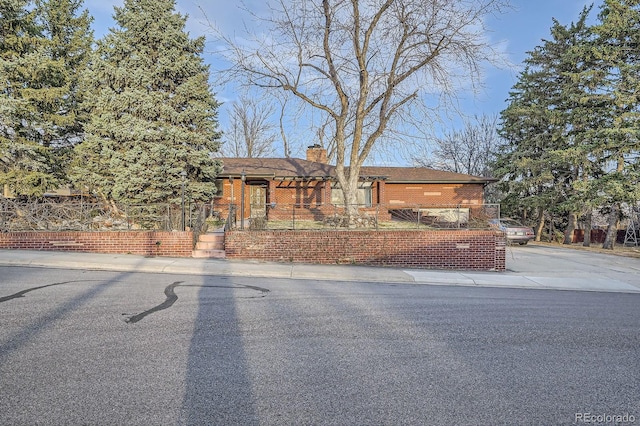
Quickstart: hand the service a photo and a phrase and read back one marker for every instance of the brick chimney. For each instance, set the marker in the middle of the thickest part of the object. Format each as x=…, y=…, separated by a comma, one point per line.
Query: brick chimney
x=317, y=154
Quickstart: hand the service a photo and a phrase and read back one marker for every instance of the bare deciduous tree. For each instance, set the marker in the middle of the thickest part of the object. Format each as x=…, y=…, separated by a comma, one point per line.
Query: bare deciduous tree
x=283, y=133
x=364, y=63
x=470, y=150
x=250, y=132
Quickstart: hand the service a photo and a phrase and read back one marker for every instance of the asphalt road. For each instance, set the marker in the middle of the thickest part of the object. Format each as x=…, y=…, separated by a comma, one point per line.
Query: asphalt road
x=81, y=347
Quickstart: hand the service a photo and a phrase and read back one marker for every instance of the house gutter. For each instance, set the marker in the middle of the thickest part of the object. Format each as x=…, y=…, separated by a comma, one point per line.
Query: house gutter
x=484, y=182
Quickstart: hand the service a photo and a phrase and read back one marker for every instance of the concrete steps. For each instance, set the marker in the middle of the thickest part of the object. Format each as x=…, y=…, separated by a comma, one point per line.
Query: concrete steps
x=210, y=246
x=208, y=254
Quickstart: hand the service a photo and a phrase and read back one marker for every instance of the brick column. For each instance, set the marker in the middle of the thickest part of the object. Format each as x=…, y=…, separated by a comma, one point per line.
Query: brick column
x=381, y=194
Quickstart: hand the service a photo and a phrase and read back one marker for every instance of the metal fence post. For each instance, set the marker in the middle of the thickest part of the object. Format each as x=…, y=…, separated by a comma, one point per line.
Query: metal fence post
x=189, y=209
x=126, y=215
x=183, y=174
x=243, y=178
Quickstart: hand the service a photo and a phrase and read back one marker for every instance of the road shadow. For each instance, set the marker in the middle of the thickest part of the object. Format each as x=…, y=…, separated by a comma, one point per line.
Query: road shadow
x=218, y=383
x=39, y=322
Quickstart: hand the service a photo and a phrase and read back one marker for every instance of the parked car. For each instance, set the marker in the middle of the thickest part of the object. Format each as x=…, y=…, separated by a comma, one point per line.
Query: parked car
x=515, y=231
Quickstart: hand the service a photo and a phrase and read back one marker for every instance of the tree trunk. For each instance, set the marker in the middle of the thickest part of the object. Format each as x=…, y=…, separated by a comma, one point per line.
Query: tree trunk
x=587, y=230
x=571, y=227
x=612, y=229
x=540, y=226
x=553, y=238
x=349, y=185
x=614, y=218
x=351, y=204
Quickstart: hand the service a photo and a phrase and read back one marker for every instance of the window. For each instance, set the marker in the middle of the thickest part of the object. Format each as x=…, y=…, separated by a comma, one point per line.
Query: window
x=219, y=183
x=364, y=196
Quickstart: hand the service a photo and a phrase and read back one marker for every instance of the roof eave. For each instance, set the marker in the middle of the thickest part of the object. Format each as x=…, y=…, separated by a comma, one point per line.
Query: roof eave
x=246, y=175
x=483, y=181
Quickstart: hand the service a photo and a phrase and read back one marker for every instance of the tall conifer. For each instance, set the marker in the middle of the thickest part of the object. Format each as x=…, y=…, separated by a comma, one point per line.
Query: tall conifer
x=153, y=115
x=67, y=48
x=44, y=47
x=616, y=51
x=544, y=126
x=26, y=164
x=69, y=42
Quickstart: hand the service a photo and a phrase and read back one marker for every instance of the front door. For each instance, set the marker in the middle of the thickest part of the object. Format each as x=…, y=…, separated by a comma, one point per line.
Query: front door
x=258, y=200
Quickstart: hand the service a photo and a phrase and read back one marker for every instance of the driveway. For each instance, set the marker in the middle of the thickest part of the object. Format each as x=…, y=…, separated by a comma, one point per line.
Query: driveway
x=565, y=265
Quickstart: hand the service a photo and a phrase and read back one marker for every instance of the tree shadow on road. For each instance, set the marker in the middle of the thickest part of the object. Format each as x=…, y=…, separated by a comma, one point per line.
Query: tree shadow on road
x=218, y=384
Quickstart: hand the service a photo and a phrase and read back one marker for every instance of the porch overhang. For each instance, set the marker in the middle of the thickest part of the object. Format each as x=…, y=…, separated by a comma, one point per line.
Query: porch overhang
x=302, y=178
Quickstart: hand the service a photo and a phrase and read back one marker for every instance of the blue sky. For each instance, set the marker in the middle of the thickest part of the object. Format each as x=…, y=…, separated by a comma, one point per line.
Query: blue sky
x=523, y=29
x=517, y=31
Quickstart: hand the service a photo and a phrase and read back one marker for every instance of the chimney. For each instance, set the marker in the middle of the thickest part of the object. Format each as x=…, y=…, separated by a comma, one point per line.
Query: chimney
x=317, y=154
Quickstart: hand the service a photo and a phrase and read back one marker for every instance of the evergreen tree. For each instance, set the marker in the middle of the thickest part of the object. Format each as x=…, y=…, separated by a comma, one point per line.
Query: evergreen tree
x=68, y=48
x=521, y=163
x=546, y=125
x=27, y=166
x=572, y=122
x=153, y=115
x=43, y=50
x=616, y=52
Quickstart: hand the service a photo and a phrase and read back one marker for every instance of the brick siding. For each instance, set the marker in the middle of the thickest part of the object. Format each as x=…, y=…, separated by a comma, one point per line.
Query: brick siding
x=146, y=243
x=315, y=196
x=460, y=249
x=432, y=194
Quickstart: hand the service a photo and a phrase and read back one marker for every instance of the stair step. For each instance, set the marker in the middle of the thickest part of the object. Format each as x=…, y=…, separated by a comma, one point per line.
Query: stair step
x=218, y=245
x=208, y=254
x=210, y=246
x=211, y=238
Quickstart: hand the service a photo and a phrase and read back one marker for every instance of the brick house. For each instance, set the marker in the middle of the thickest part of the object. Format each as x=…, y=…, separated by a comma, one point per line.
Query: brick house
x=274, y=187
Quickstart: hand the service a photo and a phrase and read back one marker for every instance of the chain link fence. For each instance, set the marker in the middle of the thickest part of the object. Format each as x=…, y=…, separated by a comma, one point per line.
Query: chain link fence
x=379, y=217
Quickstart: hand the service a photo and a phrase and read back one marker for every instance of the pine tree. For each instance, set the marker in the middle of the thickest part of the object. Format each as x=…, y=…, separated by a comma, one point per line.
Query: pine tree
x=544, y=125
x=576, y=118
x=68, y=47
x=616, y=52
x=26, y=165
x=69, y=40
x=522, y=162
x=152, y=113
x=43, y=50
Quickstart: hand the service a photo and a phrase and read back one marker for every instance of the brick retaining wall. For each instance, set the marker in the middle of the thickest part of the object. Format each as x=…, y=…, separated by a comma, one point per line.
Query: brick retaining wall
x=451, y=249
x=146, y=243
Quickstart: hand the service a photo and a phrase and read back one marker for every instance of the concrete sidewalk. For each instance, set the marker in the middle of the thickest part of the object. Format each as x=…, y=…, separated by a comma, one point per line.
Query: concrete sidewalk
x=133, y=263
